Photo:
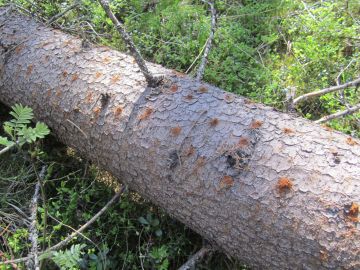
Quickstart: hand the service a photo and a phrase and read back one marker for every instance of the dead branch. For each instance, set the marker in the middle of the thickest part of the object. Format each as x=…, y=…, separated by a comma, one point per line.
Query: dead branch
x=290, y=94
x=348, y=111
x=200, y=72
x=13, y=265
x=151, y=80
x=19, y=260
x=196, y=58
x=33, y=263
x=198, y=256
x=343, y=70
x=342, y=98
x=326, y=90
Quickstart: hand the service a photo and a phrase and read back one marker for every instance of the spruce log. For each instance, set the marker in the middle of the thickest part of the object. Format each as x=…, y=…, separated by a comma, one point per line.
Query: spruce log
x=271, y=189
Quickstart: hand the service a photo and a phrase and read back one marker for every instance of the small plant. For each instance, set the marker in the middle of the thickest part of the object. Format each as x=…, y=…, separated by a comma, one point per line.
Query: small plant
x=18, y=240
x=159, y=255
x=68, y=259
x=18, y=130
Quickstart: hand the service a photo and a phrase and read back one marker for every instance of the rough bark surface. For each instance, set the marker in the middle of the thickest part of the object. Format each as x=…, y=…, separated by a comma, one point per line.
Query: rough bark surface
x=273, y=190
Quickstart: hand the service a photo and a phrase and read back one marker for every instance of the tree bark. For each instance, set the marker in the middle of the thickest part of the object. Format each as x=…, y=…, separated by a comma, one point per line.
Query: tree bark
x=273, y=190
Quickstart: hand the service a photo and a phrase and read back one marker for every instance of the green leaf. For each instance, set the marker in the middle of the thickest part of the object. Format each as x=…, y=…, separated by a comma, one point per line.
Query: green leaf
x=158, y=233
x=93, y=256
x=27, y=135
x=155, y=222
x=8, y=128
x=30, y=134
x=22, y=114
x=9, y=124
x=41, y=130
x=143, y=221
x=4, y=141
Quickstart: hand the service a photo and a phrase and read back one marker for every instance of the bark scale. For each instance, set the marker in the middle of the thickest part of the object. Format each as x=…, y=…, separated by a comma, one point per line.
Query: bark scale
x=275, y=191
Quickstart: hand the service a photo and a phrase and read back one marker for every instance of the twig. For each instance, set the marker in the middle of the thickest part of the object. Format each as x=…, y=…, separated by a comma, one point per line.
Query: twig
x=290, y=94
x=342, y=71
x=13, y=265
x=200, y=72
x=341, y=93
x=348, y=111
x=81, y=234
x=40, y=177
x=78, y=128
x=139, y=247
x=4, y=230
x=150, y=79
x=326, y=90
x=127, y=250
x=19, y=260
x=307, y=9
x=7, y=148
x=25, y=217
x=75, y=233
x=73, y=229
x=190, y=264
x=58, y=16
x=94, y=31
x=197, y=57
x=33, y=263
x=88, y=143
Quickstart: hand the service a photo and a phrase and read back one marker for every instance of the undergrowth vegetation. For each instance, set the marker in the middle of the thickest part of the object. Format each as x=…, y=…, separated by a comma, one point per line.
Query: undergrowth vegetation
x=262, y=49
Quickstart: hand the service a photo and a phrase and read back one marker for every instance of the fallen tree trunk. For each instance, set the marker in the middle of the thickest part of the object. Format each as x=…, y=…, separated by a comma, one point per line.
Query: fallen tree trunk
x=275, y=191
